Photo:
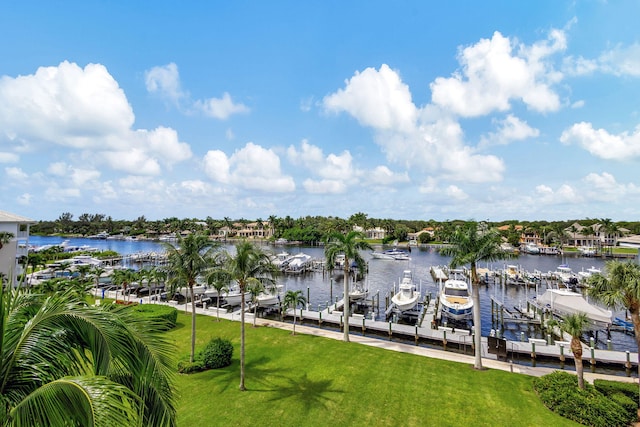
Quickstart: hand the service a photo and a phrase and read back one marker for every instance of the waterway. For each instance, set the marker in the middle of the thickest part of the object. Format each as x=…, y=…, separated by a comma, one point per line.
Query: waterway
x=383, y=275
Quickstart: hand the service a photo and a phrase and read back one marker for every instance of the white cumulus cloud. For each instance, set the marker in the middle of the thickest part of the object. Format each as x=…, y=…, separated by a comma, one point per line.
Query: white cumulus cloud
x=508, y=130
x=496, y=71
x=252, y=167
x=601, y=143
x=378, y=99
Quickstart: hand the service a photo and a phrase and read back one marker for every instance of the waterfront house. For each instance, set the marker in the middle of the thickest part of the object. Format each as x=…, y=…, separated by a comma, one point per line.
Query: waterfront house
x=16, y=249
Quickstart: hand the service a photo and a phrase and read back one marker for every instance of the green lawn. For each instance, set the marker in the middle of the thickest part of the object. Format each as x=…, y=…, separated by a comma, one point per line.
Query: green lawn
x=311, y=381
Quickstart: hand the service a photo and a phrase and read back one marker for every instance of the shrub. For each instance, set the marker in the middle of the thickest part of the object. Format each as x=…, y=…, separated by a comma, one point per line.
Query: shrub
x=164, y=315
x=559, y=392
x=217, y=353
x=186, y=367
x=608, y=387
x=630, y=406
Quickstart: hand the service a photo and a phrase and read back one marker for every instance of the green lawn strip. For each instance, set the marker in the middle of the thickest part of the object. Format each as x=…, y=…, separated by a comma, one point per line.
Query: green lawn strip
x=307, y=380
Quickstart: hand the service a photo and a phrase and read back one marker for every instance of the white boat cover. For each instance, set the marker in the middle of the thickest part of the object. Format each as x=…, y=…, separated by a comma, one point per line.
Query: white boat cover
x=564, y=301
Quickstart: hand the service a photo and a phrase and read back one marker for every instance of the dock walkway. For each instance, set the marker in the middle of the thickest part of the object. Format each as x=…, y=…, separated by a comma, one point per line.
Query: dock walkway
x=374, y=332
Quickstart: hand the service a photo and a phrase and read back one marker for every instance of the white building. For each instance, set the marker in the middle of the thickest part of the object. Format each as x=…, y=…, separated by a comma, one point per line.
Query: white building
x=16, y=229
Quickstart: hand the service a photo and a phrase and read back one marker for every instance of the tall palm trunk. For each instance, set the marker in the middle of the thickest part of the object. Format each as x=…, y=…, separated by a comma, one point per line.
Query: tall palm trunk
x=576, y=348
x=294, y=320
x=635, y=319
x=242, y=387
x=347, y=300
x=193, y=323
x=477, y=323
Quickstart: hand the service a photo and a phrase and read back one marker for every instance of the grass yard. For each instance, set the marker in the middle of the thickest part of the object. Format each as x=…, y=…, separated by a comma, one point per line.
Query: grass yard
x=311, y=381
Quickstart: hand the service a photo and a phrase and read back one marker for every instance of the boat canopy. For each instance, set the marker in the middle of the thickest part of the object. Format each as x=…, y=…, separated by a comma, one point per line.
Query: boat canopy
x=566, y=302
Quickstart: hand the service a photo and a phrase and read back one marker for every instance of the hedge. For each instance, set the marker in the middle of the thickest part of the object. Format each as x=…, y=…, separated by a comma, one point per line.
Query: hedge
x=559, y=392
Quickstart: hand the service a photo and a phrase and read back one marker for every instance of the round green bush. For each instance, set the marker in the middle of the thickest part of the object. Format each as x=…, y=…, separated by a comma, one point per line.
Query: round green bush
x=217, y=353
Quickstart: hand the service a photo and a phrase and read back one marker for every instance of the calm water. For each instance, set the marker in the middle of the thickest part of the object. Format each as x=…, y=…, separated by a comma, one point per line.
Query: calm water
x=384, y=274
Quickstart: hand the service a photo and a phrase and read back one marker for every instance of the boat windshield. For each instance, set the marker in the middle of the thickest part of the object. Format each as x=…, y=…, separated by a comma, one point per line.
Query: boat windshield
x=456, y=292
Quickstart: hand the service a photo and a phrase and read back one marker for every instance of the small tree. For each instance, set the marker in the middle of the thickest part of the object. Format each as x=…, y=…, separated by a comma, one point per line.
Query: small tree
x=255, y=288
x=574, y=325
x=293, y=299
x=219, y=280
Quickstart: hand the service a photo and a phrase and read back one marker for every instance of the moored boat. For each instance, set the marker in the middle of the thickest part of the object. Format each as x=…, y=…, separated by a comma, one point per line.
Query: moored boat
x=563, y=302
x=407, y=296
x=455, y=299
x=270, y=296
x=392, y=254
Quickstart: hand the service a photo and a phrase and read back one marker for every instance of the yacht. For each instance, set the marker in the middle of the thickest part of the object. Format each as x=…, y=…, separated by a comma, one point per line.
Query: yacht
x=455, y=299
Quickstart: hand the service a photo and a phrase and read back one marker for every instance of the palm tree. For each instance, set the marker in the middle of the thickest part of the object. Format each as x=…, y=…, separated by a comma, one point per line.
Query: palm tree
x=618, y=288
x=97, y=272
x=65, y=363
x=219, y=280
x=249, y=265
x=348, y=245
x=192, y=256
x=470, y=244
x=293, y=299
x=574, y=325
x=123, y=278
x=255, y=289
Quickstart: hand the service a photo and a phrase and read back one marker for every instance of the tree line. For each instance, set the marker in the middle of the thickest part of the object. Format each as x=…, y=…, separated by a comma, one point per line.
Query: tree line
x=310, y=229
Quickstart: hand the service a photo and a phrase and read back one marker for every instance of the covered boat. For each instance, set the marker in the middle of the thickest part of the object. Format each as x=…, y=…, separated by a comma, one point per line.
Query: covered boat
x=563, y=302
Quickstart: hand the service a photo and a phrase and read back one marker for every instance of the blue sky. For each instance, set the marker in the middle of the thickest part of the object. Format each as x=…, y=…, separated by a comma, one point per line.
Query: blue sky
x=407, y=110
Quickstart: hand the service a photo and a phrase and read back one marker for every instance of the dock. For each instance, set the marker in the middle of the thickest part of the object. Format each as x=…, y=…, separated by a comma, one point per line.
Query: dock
x=426, y=332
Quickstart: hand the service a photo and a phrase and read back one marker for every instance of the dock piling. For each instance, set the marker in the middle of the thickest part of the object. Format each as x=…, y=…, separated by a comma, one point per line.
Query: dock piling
x=533, y=350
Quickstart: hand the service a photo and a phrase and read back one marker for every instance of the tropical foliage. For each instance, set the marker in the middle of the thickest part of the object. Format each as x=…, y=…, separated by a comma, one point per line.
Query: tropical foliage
x=190, y=258
x=293, y=299
x=65, y=363
x=619, y=287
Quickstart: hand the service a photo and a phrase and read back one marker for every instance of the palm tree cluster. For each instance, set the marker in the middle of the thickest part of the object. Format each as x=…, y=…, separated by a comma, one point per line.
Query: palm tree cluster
x=196, y=256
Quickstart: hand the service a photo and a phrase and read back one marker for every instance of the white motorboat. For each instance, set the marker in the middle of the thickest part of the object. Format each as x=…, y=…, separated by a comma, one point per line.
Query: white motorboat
x=456, y=300
x=587, y=251
x=563, y=302
x=271, y=296
x=532, y=248
x=407, y=296
x=392, y=254
x=565, y=274
x=234, y=297
x=585, y=274
x=358, y=292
